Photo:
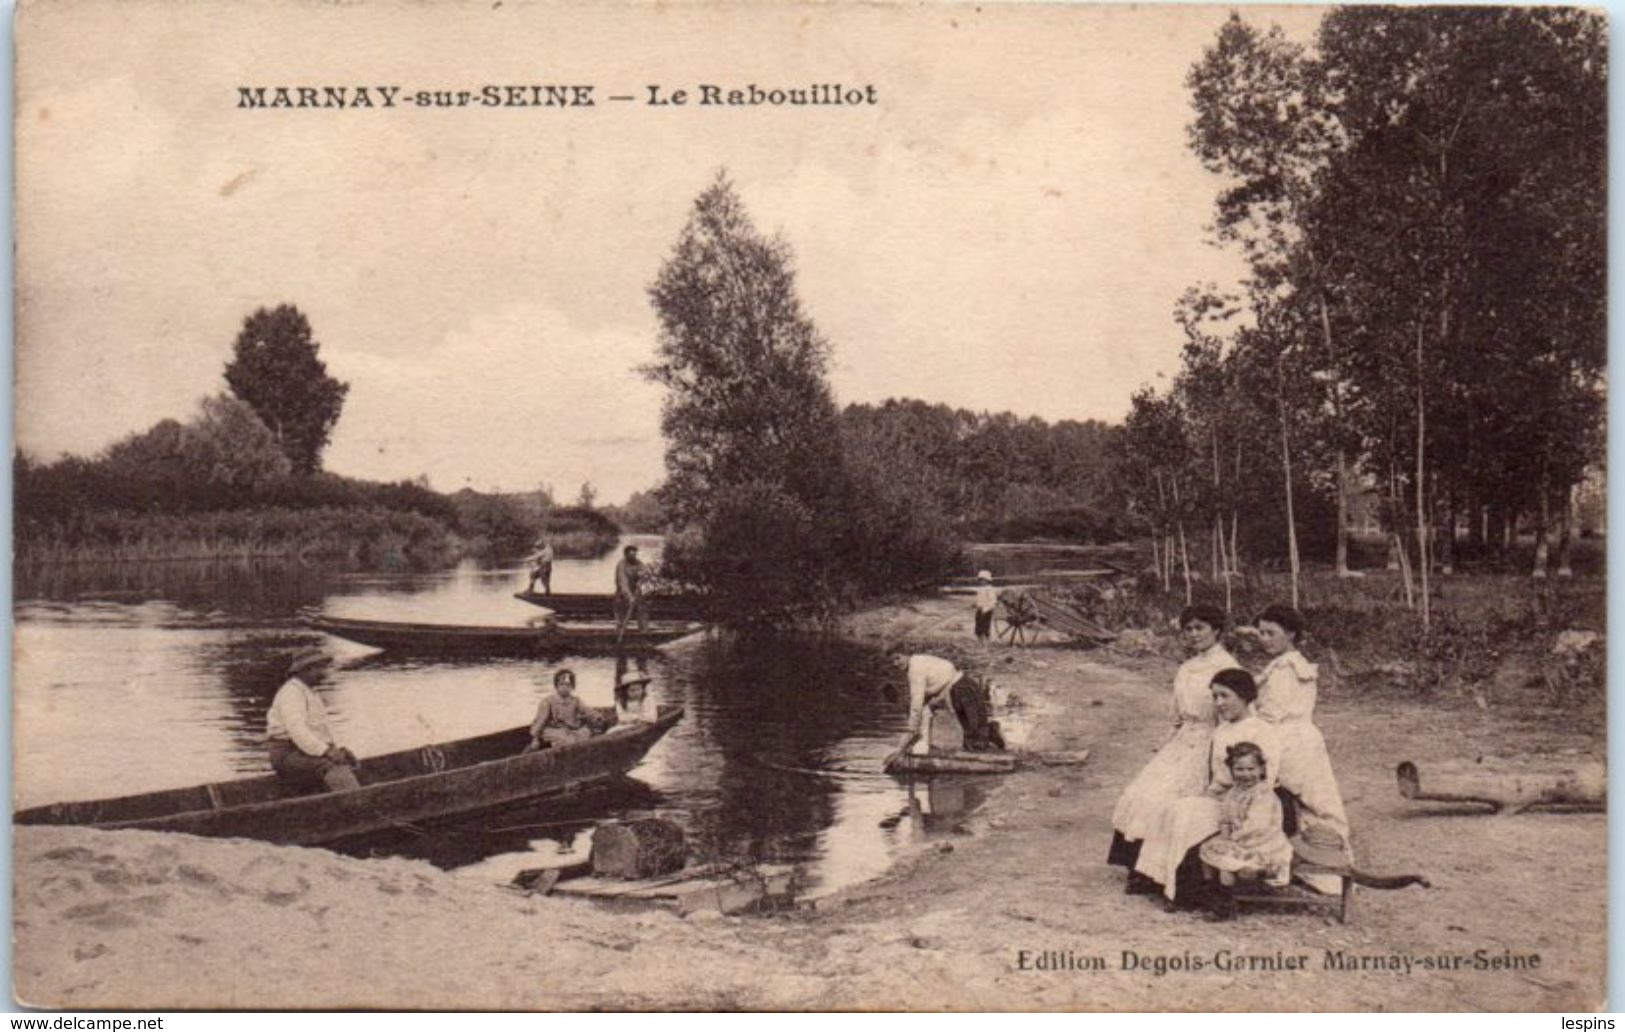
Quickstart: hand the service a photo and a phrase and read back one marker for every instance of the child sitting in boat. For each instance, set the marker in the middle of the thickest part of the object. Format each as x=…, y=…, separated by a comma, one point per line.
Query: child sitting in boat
x=632, y=703
x=562, y=719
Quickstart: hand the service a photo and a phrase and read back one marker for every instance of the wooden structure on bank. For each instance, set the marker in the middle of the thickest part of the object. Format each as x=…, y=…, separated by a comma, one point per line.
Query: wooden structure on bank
x=643, y=861
x=1024, y=612
x=720, y=888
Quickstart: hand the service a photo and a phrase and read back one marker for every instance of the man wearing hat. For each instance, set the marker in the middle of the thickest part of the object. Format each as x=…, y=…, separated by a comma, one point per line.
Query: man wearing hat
x=301, y=745
x=987, y=600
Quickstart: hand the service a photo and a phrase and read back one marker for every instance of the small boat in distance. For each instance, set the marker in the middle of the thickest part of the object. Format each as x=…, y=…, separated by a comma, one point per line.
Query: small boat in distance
x=425, y=783
x=466, y=639
x=602, y=607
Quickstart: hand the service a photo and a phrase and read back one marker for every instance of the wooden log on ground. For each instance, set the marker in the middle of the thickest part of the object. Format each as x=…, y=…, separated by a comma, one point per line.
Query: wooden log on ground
x=645, y=848
x=1508, y=785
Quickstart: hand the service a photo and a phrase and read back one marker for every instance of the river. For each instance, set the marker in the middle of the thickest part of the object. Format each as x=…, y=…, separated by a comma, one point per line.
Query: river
x=136, y=677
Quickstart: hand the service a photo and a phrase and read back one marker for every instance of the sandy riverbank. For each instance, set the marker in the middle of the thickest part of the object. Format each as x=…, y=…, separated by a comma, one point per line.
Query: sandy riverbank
x=141, y=920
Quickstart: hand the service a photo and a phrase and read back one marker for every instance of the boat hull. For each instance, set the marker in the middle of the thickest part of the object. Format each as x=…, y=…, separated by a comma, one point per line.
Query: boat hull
x=428, y=783
x=553, y=639
x=602, y=607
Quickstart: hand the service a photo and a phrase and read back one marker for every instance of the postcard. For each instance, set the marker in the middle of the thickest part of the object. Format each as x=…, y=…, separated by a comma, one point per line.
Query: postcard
x=621, y=506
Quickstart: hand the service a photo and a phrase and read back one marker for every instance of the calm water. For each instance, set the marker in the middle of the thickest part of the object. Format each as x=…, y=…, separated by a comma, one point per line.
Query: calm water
x=139, y=677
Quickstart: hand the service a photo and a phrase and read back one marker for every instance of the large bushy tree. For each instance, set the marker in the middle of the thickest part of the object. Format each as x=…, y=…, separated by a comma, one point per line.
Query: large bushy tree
x=772, y=516
x=276, y=370
x=744, y=365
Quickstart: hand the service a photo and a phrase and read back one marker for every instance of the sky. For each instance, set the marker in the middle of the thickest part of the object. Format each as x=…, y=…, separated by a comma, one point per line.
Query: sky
x=1007, y=229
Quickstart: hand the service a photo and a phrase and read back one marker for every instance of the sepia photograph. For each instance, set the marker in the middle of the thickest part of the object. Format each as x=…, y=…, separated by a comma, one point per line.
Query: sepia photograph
x=724, y=506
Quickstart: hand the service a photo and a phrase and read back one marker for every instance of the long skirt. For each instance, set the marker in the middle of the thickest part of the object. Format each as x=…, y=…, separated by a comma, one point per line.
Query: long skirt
x=1183, y=825
x=1272, y=861
x=1178, y=769
x=1306, y=772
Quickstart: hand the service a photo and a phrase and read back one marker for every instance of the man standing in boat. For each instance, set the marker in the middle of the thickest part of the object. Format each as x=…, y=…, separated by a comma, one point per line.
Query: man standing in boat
x=302, y=747
x=629, y=592
x=541, y=567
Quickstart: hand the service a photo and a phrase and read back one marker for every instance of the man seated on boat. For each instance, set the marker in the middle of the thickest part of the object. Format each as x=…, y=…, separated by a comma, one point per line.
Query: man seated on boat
x=302, y=748
x=562, y=719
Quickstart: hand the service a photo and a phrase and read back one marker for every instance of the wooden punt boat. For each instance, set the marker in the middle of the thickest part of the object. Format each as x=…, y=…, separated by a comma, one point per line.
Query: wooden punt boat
x=602, y=607
x=957, y=762
x=430, y=782
x=550, y=638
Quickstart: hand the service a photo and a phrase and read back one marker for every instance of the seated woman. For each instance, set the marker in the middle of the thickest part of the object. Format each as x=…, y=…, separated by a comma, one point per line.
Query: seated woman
x=1286, y=698
x=1180, y=767
x=1167, y=853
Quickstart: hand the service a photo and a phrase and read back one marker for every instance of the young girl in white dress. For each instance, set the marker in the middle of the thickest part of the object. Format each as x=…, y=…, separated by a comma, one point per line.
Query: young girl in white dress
x=1250, y=842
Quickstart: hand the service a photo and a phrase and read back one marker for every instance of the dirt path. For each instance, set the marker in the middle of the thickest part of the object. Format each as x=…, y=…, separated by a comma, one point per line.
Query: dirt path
x=132, y=919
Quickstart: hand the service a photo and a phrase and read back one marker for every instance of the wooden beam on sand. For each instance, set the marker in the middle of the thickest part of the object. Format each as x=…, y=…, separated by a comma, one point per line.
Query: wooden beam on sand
x=1508, y=785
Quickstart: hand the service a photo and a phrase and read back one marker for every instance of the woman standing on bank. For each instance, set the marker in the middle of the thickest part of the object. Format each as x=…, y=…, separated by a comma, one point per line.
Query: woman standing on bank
x=1180, y=767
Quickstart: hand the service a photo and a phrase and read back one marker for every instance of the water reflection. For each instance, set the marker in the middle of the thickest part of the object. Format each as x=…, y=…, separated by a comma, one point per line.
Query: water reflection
x=776, y=760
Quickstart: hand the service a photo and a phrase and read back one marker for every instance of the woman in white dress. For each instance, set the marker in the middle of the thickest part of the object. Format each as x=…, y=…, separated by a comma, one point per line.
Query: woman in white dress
x=1180, y=767
x=1185, y=823
x=1287, y=693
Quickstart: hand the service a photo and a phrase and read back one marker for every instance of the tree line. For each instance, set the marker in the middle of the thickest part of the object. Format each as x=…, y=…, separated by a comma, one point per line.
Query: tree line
x=784, y=504
x=994, y=476
x=1420, y=198
x=243, y=476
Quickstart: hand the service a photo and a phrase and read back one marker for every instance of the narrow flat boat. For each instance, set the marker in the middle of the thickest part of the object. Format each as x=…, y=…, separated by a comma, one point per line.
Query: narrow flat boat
x=547, y=639
x=426, y=783
x=959, y=761
x=602, y=607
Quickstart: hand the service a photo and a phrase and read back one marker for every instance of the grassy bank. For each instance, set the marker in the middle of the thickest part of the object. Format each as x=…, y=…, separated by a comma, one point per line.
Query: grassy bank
x=578, y=533
x=366, y=535
x=1491, y=637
